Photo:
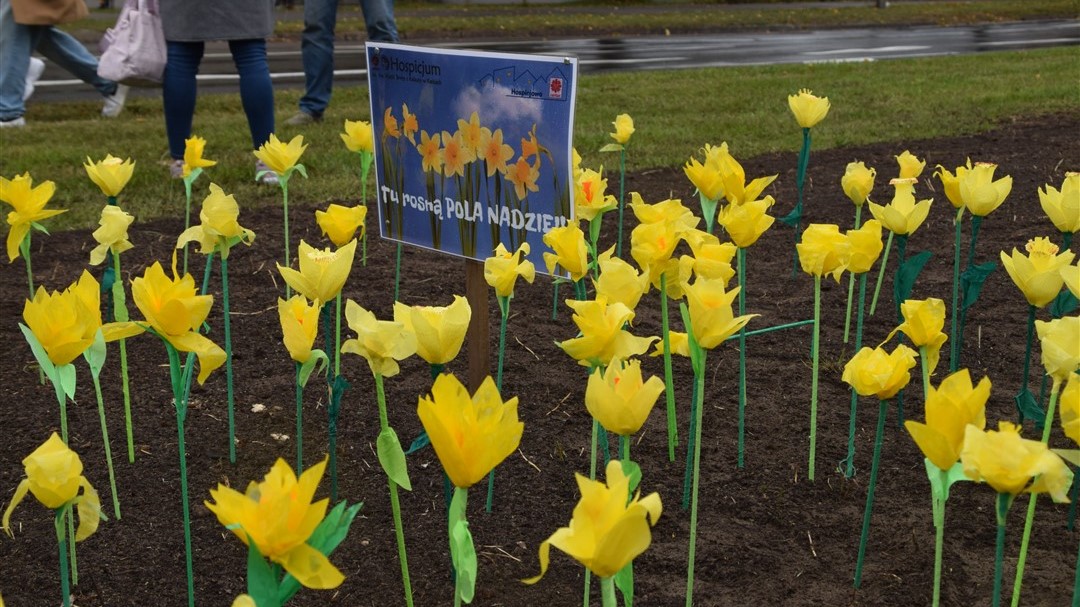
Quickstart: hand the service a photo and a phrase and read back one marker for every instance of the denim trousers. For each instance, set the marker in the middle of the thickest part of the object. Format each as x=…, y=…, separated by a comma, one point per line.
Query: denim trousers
x=18, y=42
x=317, y=45
x=178, y=89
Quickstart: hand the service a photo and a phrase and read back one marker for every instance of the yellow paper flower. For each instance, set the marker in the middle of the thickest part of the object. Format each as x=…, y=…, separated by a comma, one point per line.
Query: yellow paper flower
x=502, y=269
x=278, y=514
x=678, y=342
x=603, y=337
x=29, y=207
x=620, y=399
x=340, y=223
x=280, y=156
x=980, y=193
x=440, y=330
x=678, y=272
x=244, y=600
x=112, y=233
x=54, y=477
x=110, y=174
x=875, y=372
x=299, y=326
x=1063, y=207
x=857, y=182
x=194, y=147
x=322, y=272
x=951, y=183
x=736, y=190
x=746, y=222
x=1069, y=403
x=1058, y=339
x=711, y=317
x=651, y=246
x=910, y=166
x=471, y=435
x=359, y=136
x=624, y=128
x=590, y=195
x=705, y=177
x=950, y=408
x=864, y=247
x=1038, y=274
x=608, y=528
x=903, y=215
x=1070, y=275
x=619, y=281
x=712, y=258
x=64, y=322
x=808, y=108
x=219, y=229
x=1014, y=465
x=381, y=342
x=924, y=320
x=570, y=251
x=823, y=250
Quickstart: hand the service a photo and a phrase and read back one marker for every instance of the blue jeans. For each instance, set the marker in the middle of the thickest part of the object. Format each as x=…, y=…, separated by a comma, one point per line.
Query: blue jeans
x=317, y=45
x=18, y=41
x=179, y=89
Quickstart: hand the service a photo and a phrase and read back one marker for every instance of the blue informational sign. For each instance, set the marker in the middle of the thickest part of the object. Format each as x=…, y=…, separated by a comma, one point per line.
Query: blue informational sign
x=472, y=149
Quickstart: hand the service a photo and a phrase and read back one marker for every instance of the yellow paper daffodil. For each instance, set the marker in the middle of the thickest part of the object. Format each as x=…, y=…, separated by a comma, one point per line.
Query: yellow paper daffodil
x=736, y=190
x=980, y=193
x=1070, y=275
x=470, y=434
x=624, y=128
x=950, y=408
x=322, y=272
x=857, y=182
x=651, y=246
x=910, y=166
x=951, y=183
x=340, y=223
x=1038, y=274
x=280, y=156
x=440, y=330
x=875, y=372
x=359, y=136
x=591, y=199
x=603, y=337
x=1058, y=339
x=29, y=207
x=924, y=320
x=808, y=108
x=677, y=273
x=279, y=515
x=110, y=174
x=570, y=251
x=746, y=222
x=1069, y=403
x=381, y=342
x=1014, y=465
x=823, y=250
x=903, y=215
x=864, y=247
x=1063, y=206
x=112, y=233
x=666, y=211
x=194, y=147
x=620, y=399
x=608, y=529
x=502, y=269
x=706, y=178
x=299, y=326
x=712, y=258
x=619, y=281
x=62, y=321
x=711, y=316
x=54, y=476
x=219, y=229
x=678, y=341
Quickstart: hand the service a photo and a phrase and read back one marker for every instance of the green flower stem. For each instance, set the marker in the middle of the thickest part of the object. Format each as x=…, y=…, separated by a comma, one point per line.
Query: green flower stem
x=699, y=380
x=397, y=273
x=851, y=282
x=741, y=262
x=1027, y=361
x=976, y=222
x=607, y=588
x=939, y=537
x=688, y=475
x=762, y=331
x=814, y=381
x=669, y=386
x=284, y=180
x=189, y=363
x=624, y=447
x=622, y=194
x=1029, y=520
x=881, y=273
x=592, y=476
x=108, y=448
x=24, y=248
x=61, y=540
x=365, y=166
x=337, y=335
x=399, y=532
x=62, y=399
x=187, y=219
x=504, y=308
x=71, y=548
x=954, y=344
x=1076, y=582
x=228, y=358
x=800, y=182
x=124, y=378
x=901, y=249
x=876, y=462
x=1004, y=500
x=464, y=493
x=299, y=422
x=849, y=469
x=180, y=401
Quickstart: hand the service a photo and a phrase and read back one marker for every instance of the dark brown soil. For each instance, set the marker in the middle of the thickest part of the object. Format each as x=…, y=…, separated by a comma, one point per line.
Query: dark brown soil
x=767, y=535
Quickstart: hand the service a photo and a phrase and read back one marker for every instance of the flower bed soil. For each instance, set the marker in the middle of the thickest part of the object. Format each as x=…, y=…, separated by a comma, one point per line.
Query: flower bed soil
x=768, y=536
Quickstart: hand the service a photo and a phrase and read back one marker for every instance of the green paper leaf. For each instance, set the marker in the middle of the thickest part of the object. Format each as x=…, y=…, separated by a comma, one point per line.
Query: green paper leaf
x=190, y=179
x=120, y=312
x=708, y=210
x=261, y=584
x=337, y=389
x=419, y=443
x=793, y=218
x=971, y=282
x=633, y=472
x=697, y=353
x=95, y=354
x=612, y=147
x=39, y=354
x=624, y=581
x=1064, y=304
x=39, y=227
x=907, y=274
x=299, y=168
x=1070, y=455
x=66, y=373
x=463, y=557
x=1029, y=408
x=942, y=480
x=326, y=538
x=392, y=458
x=313, y=364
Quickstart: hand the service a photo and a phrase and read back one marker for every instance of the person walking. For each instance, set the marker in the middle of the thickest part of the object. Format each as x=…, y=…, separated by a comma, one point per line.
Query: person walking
x=245, y=25
x=317, y=50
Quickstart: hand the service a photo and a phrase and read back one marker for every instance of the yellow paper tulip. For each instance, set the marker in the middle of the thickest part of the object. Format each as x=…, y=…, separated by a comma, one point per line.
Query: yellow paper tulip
x=244, y=600
x=63, y=322
x=194, y=147
x=110, y=174
x=808, y=108
x=950, y=408
x=299, y=326
x=278, y=514
x=54, y=477
x=608, y=529
x=1063, y=207
x=440, y=330
x=502, y=269
x=678, y=341
x=619, y=281
x=112, y=233
x=746, y=222
x=340, y=223
x=924, y=320
x=591, y=199
x=29, y=207
x=666, y=211
x=678, y=272
x=823, y=250
x=322, y=272
x=736, y=190
x=712, y=258
x=570, y=251
x=620, y=399
x=1014, y=465
x=951, y=183
x=864, y=247
x=280, y=156
x=219, y=229
x=359, y=136
x=875, y=372
x=624, y=128
x=910, y=166
x=1070, y=275
x=857, y=182
x=651, y=246
x=980, y=193
x=1038, y=274
x=1058, y=339
x=471, y=435
x=1069, y=403
x=903, y=215
x=711, y=317
x=381, y=342
x=603, y=337
x=706, y=178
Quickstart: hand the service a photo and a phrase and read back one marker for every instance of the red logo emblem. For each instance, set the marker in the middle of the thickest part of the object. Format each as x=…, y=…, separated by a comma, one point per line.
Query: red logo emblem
x=555, y=88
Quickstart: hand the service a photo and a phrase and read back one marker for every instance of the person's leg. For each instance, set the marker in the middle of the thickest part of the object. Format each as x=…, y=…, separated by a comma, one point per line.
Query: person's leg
x=178, y=90
x=317, y=52
x=64, y=50
x=256, y=90
x=15, y=48
x=379, y=20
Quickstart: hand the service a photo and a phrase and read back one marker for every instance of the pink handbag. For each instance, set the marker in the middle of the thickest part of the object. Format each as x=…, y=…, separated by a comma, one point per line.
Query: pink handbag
x=133, y=51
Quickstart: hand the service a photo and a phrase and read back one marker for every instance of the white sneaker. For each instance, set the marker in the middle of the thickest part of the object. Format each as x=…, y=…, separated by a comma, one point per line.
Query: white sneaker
x=14, y=122
x=33, y=74
x=176, y=168
x=114, y=103
x=268, y=177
